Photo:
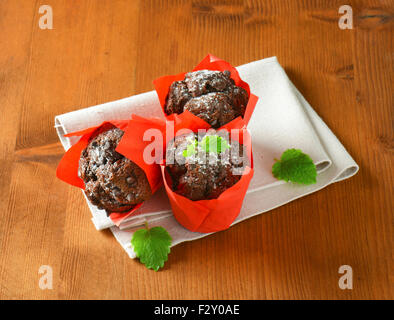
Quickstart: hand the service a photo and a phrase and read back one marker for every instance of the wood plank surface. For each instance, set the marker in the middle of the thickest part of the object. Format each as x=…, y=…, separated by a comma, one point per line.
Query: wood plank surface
x=104, y=50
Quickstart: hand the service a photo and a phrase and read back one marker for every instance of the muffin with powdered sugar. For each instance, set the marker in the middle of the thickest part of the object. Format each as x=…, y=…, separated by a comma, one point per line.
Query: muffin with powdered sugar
x=112, y=182
x=210, y=95
x=202, y=167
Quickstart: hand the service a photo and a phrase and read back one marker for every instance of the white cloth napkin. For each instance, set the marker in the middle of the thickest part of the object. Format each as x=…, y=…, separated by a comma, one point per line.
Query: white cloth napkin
x=282, y=119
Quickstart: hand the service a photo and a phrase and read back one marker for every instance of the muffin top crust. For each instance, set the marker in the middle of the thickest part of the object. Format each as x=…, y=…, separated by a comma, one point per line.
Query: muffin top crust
x=210, y=95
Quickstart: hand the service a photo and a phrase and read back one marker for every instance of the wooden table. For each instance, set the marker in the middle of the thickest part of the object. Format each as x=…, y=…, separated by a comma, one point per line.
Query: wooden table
x=100, y=51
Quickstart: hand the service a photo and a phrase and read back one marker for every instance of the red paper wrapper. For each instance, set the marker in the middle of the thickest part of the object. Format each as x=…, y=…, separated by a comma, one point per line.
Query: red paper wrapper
x=210, y=62
x=212, y=215
x=67, y=169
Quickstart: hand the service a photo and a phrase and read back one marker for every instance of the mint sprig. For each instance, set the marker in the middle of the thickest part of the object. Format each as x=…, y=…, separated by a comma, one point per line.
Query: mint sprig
x=209, y=144
x=191, y=149
x=295, y=166
x=215, y=144
x=152, y=246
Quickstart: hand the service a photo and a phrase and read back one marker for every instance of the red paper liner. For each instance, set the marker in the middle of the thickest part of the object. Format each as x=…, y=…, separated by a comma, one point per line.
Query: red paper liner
x=208, y=216
x=67, y=169
x=210, y=62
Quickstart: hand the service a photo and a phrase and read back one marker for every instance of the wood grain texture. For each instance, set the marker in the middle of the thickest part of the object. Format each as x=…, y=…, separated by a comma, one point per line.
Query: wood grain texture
x=104, y=50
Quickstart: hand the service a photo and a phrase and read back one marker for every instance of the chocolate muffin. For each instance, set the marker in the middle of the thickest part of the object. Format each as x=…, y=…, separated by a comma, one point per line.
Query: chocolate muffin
x=112, y=182
x=203, y=166
x=210, y=95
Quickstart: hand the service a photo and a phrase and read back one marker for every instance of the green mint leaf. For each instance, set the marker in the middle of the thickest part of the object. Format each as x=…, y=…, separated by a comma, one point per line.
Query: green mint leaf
x=190, y=149
x=152, y=246
x=214, y=144
x=295, y=166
